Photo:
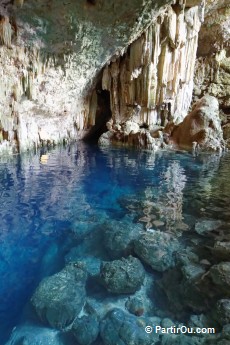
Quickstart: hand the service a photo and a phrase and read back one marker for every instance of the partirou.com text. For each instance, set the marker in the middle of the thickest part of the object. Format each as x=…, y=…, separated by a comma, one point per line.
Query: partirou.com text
x=179, y=330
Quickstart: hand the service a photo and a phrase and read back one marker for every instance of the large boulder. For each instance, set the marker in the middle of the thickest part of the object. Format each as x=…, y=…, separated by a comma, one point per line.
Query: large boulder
x=60, y=297
x=120, y=328
x=157, y=249
x=201, y=127
x=122, y=276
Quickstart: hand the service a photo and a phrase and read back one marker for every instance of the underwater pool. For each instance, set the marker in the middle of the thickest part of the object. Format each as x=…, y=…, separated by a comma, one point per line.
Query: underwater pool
x=89, y=205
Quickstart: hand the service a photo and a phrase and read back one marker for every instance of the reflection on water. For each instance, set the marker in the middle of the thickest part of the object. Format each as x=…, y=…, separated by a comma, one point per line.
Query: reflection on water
x=55, y=201
x=170, y=199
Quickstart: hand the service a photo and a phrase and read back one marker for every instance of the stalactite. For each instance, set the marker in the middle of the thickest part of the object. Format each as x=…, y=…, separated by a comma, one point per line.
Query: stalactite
x=21, y=77
x=156, y=73
x=5, y=31
x=92, y=109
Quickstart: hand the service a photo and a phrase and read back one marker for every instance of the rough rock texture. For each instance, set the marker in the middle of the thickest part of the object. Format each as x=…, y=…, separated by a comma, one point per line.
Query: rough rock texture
x=215, y=31
x=141, y=139
x=201, y=129
x=212, y=76
x=157, y=249
x=122, y=276
x=119, y=328
x=118, y=238
x=50, y=55
x=212, y=69
x=85, y=330
x=221, y=250
x=222, y=312
x=60, y=298
x=220, y=275
x=202, y=227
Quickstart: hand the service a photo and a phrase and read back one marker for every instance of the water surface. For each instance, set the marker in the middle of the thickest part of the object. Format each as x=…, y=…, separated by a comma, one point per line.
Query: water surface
x=53, y=200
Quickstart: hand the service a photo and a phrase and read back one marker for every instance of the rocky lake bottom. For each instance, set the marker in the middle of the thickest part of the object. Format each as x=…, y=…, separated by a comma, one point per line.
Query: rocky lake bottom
x=98, y=243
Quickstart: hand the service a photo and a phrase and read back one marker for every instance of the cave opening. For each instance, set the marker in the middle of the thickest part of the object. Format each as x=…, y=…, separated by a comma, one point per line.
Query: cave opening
x=103, y=115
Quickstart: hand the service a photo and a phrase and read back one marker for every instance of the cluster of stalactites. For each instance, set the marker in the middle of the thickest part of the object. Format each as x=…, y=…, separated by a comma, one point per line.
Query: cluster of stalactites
x=152, y=83
x=28, y=64
x=5, y=31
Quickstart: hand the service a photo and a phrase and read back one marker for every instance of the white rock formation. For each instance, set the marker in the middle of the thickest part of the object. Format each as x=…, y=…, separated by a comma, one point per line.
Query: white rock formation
x=201, y=129
x=153, y=81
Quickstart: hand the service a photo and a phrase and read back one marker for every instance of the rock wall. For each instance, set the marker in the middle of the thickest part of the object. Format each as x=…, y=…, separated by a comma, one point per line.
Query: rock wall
x=152, y=82
x=213, y=77
x=50, y=55
x=212, y=70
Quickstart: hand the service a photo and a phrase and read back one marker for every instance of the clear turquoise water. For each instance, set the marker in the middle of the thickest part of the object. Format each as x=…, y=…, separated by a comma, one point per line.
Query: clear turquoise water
x=46, y=207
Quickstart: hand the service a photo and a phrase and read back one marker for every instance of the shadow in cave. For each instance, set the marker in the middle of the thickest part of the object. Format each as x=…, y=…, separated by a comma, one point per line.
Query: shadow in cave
x=103, y=115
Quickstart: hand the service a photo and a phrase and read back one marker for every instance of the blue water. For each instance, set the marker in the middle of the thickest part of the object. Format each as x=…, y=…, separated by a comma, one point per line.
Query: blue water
x=49, y=203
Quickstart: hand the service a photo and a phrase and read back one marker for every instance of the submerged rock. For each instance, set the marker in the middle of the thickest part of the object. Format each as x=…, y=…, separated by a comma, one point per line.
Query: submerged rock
x=135, y=305
x=226, y=331
x=86, y=329
x=157, y=249
x=220, y=275
x=60, y=297
x=118, y=238
x=221, y=250
x=92, y=264
x=122, y=276
x=185, y=288
x=205, y=226
x=222, y=312
x=34, y=335
x=120, y=328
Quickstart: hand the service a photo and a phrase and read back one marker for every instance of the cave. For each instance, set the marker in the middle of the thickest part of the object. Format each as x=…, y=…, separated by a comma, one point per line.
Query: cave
x=102, y=116
x=114, y=172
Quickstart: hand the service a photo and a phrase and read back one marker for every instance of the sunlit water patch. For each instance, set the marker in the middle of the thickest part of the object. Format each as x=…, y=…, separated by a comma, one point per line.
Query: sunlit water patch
x=87, y=205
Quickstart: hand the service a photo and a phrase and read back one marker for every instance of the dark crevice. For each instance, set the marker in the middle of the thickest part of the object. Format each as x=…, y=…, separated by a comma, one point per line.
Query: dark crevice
x=5, y=135
x=91, y=2
x=103, y=115
x=226, y=110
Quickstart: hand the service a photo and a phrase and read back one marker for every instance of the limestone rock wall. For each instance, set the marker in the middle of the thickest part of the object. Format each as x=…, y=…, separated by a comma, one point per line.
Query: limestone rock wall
x=212, y=70
x=153, y=81
x=50, y=55
x=212, y=76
